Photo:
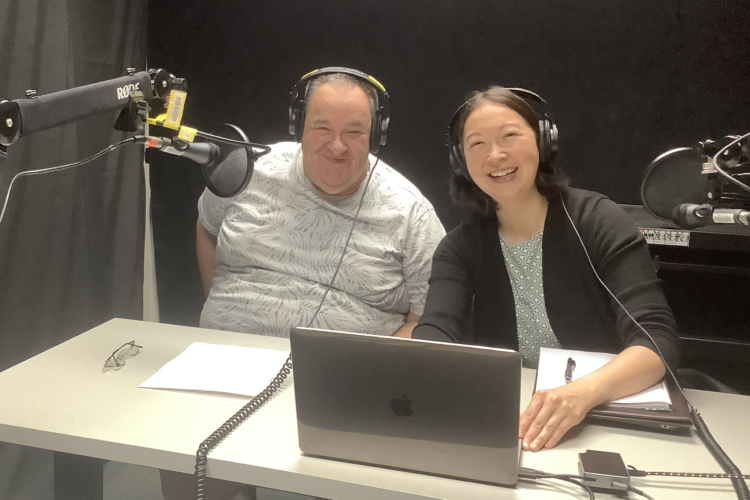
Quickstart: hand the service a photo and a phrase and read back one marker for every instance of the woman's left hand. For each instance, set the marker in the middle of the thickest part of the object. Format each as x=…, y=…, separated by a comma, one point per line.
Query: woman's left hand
x=551, y=413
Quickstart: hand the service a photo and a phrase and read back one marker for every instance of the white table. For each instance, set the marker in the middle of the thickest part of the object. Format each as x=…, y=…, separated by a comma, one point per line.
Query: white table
x=60, y=400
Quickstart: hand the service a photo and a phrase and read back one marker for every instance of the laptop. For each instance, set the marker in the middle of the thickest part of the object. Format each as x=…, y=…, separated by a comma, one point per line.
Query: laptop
x=432, y=407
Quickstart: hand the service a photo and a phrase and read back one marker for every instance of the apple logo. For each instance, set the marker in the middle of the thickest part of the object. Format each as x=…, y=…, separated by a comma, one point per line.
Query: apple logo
x=402, y=406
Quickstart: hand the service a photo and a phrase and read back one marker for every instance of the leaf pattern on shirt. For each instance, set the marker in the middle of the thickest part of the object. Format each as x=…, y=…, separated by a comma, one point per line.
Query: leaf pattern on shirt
x=279, y=243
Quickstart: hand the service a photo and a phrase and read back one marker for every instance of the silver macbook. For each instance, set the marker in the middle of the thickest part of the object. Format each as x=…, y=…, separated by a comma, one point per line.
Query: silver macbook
x=432, y=407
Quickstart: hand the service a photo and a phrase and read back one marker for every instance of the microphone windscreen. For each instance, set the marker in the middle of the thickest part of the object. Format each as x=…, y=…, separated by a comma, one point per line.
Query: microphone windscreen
x=234, y=169
x=672, y=179
x=228, y=176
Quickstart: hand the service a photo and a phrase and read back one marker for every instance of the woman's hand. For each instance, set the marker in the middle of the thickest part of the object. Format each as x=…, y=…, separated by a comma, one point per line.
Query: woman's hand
x=551, y=413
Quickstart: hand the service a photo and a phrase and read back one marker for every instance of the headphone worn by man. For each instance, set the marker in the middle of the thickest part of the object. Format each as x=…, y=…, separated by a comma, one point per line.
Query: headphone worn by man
x=379, y=128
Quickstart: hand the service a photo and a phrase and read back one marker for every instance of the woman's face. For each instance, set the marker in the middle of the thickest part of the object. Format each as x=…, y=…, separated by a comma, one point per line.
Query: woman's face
x=501, y=152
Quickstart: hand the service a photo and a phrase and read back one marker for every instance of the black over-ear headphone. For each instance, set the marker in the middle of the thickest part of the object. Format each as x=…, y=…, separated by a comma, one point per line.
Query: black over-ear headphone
x=547, y=142
x=379, y=128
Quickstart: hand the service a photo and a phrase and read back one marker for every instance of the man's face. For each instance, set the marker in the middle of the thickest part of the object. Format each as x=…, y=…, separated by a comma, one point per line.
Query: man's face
x=336, y=138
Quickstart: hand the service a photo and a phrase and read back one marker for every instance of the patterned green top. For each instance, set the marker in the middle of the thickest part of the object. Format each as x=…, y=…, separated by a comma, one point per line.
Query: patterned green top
x=524, y=264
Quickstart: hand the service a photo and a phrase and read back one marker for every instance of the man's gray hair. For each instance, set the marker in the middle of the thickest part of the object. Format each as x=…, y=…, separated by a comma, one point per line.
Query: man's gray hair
x=342, y=79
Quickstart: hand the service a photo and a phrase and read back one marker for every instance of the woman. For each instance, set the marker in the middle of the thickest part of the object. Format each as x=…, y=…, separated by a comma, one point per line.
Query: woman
x=516, y=270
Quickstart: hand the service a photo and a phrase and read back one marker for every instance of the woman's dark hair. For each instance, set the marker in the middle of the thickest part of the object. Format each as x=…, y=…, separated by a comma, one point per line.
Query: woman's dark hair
x=466, y=192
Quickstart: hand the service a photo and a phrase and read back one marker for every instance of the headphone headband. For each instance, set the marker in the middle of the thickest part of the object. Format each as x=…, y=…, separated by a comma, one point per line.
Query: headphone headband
x=346, y=71
x=380, y=121
x=547, y=141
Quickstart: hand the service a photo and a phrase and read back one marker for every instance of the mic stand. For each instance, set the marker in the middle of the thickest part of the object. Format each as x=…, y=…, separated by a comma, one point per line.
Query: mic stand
x=10, y=124
x=133, y=117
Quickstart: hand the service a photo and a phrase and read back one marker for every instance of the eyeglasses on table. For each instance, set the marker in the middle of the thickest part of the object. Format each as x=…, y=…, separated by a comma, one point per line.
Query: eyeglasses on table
x=121, y=355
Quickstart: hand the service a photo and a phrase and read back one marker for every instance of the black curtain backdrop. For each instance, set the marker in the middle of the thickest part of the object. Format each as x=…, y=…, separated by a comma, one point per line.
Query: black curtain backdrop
x=71, y=242
x=626, y=79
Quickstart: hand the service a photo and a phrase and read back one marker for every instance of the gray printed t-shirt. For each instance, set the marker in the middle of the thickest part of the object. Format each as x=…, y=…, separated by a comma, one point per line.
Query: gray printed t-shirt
x=279, y=242
x=524, y=264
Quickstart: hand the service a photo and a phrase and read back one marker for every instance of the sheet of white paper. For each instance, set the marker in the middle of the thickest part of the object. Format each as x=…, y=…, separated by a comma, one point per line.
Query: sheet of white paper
x=551, y=374
x=229, y=369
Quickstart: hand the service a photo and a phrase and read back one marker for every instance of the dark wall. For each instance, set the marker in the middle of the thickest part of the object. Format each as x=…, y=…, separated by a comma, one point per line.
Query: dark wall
x=626, y=79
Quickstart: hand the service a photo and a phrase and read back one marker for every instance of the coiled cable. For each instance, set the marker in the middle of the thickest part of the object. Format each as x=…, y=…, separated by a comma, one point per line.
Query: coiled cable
x=201, y=456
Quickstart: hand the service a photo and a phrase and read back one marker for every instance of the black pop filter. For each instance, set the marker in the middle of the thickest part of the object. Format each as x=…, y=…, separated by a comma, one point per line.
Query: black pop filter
x=232, y=171
x=673, y=178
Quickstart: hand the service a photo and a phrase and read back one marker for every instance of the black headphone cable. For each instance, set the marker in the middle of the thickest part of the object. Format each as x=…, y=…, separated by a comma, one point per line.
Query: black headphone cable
x=201, y=456
x=526, y=473
x=105, y=151
x=700, y=425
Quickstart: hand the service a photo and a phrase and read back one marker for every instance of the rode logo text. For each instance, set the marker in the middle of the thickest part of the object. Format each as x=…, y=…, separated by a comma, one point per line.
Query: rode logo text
x=124, y=92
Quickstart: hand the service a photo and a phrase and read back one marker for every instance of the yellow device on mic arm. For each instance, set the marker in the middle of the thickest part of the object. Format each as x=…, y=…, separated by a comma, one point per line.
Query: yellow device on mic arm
x=173, y=117
x=226, y=156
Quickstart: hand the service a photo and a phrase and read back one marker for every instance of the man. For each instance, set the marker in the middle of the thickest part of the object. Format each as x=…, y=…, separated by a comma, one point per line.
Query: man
x=268, y=255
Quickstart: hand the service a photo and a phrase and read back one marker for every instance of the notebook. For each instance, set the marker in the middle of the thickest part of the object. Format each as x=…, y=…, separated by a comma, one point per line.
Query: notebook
x=676, y=417
x=552, y=370
x=432, y=407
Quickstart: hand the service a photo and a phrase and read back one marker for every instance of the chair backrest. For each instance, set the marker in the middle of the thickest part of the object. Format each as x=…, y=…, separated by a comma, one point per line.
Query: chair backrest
x=691, y=378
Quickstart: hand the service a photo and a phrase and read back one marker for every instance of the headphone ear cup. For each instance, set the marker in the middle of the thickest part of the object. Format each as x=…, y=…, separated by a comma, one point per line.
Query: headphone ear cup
x=296, y=114
x=292, y=120
x=544, y=145
x=553, y=141
x=375, y=133
x=384, y=121
x=299, y=121
x=458, y=161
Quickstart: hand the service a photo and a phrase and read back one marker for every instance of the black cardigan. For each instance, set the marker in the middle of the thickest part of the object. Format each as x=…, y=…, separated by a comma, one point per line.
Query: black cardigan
x=468, y=269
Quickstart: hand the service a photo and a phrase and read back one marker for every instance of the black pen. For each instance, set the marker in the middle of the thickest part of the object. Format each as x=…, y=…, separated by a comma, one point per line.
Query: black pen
x=569, y=370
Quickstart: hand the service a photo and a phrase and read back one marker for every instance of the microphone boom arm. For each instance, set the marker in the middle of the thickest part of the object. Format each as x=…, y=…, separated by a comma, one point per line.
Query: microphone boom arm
x=227, y=166
x=22, y=117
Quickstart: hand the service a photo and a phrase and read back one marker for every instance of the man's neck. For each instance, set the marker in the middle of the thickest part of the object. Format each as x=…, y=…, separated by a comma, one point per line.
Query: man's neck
x=333, y=199
x=343, y=195
x=523, y=217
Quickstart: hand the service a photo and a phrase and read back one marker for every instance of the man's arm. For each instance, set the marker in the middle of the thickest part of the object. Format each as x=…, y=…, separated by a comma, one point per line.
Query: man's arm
x=424, y=234
x=408, y=326
x=205, y=248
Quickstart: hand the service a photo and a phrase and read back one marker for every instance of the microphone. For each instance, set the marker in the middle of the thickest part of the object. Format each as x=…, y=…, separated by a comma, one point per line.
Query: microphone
x=691, y=215
x=226, y=168
x=22, y=117
x=203, y=153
